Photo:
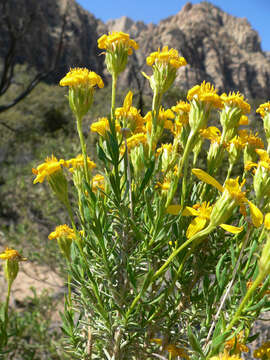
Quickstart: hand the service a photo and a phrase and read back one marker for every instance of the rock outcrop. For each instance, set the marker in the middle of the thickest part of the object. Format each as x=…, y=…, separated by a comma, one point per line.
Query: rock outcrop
x=218, y=47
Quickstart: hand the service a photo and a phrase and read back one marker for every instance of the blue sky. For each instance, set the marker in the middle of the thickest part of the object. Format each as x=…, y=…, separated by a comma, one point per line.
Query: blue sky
x=256, y=11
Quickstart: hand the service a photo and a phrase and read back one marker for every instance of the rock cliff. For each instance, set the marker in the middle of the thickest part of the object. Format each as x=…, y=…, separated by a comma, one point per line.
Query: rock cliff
x=218, y=47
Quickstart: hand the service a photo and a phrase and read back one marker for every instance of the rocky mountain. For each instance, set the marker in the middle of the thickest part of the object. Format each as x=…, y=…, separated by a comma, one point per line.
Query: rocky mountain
x=218, y=47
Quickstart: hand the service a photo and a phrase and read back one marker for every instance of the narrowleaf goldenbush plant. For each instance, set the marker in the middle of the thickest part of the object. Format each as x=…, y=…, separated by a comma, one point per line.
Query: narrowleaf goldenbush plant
x=164, y=259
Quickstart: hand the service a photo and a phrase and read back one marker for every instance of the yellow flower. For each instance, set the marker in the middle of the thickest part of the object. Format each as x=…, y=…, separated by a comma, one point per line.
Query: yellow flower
x=81, y=77
x=205, y=93
x=211, y=133
x=172, y=349
x=164, y=148
x=118, y=46
x=129, y=115
x=11, y=254
x=243, y=120
x=226, y=356
x=46, y=169
x=165, y=186
x=64, y=236
x=182, y=107
x=62, y=231
x=163, y=120
x=263, y=109
x=98, y=182
x=133, y=141
x=102, y=126
x=236, y=344
x=115, y=40
x=203, y=214
x=236, y=100
x=166, y=57
x=165, y=64
x=78, y=162
x=177, y=351
x=251, y=139
x=263, y=352
x=11, y=266
x=232, y=196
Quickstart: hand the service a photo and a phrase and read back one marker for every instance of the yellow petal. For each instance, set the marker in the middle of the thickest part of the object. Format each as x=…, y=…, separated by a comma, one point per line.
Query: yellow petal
x=256, y=215
x=189, y=211
x=203, y=176
x=195, y=226
x=173, y=209
x=267, y=221
x=232, y=229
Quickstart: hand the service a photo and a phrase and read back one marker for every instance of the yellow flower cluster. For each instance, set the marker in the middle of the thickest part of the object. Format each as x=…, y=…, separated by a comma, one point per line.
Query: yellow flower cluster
x=251, y=139
x=98, y=182
x=11, y=254
x=62, y=231
x=236, y=100
x=82, y=77
x=117, y=40
x=205, y=93
x=236, y=344
x=211, y=133
x=166, y=57
x=263, y=352
x=102, y=126
x=130, y=115
x=78, y=162
x=172, y=349
x=226, y=356
x=263, y=109
x=50, y=166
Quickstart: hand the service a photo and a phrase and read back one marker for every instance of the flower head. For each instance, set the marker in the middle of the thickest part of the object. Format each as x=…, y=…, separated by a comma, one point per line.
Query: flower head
x=232, y=196
x=129, y=115
x=81, y=77
x=11, y=266
x=11, y=254
x=102, y=126
x=118, y=46
x=166, y=57
x=46, y=169
x=62, y=231
x=78, y=162
x=98, y=183
x=165, y=63
x=81, y=83
x=236, y=344
x=64, y=236
x=235, y=100
x=117, y=40
x=205, y=93
x=263, y=109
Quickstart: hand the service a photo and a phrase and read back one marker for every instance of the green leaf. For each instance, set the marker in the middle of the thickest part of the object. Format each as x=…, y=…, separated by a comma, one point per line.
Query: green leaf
x=216, y=342
x=220, y=274
x=194, y=343
x=147, y=176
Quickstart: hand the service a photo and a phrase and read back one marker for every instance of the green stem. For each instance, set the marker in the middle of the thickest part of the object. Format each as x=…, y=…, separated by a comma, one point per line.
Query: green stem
x=114, y=85
x=197, y=236
x=69, y=289
x=83, y=147
x=184, y=185
x=249, y=293
x=6, y=305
